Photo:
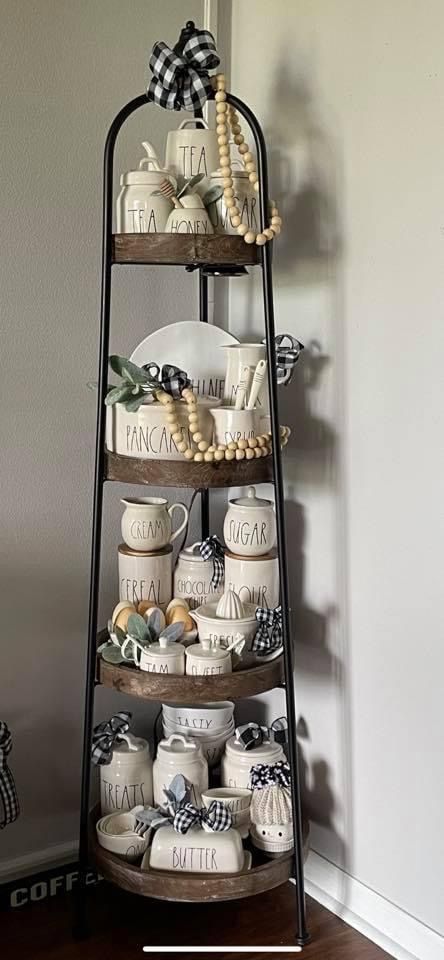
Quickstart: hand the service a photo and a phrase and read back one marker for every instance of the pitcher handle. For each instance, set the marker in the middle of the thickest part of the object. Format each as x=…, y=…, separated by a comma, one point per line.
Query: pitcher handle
x=178, y=506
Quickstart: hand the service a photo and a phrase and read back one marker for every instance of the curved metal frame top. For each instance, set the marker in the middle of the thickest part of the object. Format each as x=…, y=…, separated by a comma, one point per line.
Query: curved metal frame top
x=302, y=935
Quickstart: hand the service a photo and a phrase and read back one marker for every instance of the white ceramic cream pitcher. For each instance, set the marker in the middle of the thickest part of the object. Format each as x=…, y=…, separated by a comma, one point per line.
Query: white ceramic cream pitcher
x=146, y=523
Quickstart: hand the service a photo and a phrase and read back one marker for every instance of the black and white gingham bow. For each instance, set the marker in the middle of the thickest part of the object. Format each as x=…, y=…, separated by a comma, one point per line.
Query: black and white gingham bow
x=182, y=79
x=8, y=794
x=211, y=548
x=286, y=356
x=270, y=775
x=172, y=379
x=217, y=818
x=251, y=735
x=105, y=735
x=268, y=636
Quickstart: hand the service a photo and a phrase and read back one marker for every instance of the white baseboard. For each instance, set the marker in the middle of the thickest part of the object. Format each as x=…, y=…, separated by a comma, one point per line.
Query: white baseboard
x=38, y=861
x=392, y=929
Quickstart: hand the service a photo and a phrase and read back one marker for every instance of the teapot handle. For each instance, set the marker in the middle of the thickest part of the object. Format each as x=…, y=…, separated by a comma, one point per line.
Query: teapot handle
x=194, y=120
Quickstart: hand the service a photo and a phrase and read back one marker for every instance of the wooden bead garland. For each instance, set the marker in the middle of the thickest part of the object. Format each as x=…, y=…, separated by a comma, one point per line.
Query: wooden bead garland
x=226, y=116
x=260, y=446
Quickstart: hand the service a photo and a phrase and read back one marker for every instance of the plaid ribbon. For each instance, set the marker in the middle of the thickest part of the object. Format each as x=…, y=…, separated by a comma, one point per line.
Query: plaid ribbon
x=8, y=793
x=105, y=735
x=268, y=636
x=182, y=79
x=270, y=775
x=216, y=819
x=211, y=548
x=286, y=357
x=172, y=379
x=251, y=735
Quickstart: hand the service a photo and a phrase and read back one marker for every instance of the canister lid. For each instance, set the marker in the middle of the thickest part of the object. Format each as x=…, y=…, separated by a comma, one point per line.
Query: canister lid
x=251, y=500
x=271, y=557
x=165, y=649
x=266, y=753
x=205, y=650
x=178, y=747
x=151, y=176
x=124, y=749
x=192, y=554
x=122, y=548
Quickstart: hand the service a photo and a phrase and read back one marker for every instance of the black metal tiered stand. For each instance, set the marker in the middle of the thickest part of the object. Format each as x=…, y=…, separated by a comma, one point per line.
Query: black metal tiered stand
x=211, y=256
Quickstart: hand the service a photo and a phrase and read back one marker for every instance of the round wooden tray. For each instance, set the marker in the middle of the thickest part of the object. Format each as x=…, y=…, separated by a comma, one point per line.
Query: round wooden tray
x=177, y=689
x=183, y=249
x=178, y=473
x=265, y=874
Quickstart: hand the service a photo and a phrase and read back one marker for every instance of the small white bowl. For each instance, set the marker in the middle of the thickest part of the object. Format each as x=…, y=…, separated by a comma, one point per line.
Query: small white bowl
x=124, y=842
x=223, y=631
x=237, y=799
x=203, y=716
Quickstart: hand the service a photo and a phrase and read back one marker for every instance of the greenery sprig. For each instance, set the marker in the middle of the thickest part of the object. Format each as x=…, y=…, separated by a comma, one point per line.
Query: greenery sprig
x=127, y=647
x=136, y=384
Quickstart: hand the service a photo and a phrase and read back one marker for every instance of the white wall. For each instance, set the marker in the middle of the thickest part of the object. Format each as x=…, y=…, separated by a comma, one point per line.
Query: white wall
x=67, y=67
x=351, y=95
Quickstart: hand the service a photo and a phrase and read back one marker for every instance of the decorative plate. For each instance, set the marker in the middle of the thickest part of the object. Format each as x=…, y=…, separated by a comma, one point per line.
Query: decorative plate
x=194, y=347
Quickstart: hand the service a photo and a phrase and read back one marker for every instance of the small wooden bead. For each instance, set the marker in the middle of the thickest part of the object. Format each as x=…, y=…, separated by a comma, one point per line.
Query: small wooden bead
x=221, y=446
x=239, y=138
x=193, y=418
x=197, y=437
x=220, y=78
x=252, y=177
x=171, y=417
x=162, y=397
x=284, y=441
x=264, y=451
x=243, y=148
x=269, y=450
x=250, y=237
x=276, y=220
x=174, y=427
x=276, y=228
x=249, y=454
x=224, y=151
x=212, y=448
x=229, y=454
x=228, y=192
x=261, y=441
x=203, y=446
x=249, y=166
x=187, y=392
x=227, y=182
x=236, y=220
x=242, y=444
x=221, y=107
x=230, y=202
x=225, y=172
x=169, y=402
x=258, y=451
x=221, y=128
x=242, y=229
x=198, y=457
x=234, y=212
x=261, y=239
x=256, y=186
x=268, y=233
x=274, y=211
x=189, y=454
x=232, y=445
x=220, y=96
x=191, y=399
x=219, y=454
x=235, y=129
x=240, y=454
x=222, y=139
x=177, y=436
x=252, y=442
x=182, y=446
x=209, y=456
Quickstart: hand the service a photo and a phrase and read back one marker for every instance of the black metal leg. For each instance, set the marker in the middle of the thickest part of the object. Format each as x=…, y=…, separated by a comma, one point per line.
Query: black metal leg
x=204, y=494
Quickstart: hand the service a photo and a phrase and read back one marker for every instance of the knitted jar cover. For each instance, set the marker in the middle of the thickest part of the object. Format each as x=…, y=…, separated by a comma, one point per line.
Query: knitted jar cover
x=271, y=805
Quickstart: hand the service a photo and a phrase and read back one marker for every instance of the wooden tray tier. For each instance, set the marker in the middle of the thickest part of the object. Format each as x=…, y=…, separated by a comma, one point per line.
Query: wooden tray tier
x=178, y=689
x=178, y=473
x=185, y=249
x=265, y=875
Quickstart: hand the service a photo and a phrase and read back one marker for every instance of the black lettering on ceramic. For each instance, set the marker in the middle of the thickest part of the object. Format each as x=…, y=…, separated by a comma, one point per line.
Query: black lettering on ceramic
x=247, y=534
x=137, y=590
x=147, y=529
x=200, y=859
x=116, y=796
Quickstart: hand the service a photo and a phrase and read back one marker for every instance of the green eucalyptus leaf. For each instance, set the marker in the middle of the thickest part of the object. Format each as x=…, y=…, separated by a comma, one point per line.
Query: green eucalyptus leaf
x=189, y=184
x=112, y=654
x=133, y=405
x=213, y=193
x=137, y=627
x=118, y=394
x=120, y=634
x=128, y=370
x=153, y=622
x=174, y=631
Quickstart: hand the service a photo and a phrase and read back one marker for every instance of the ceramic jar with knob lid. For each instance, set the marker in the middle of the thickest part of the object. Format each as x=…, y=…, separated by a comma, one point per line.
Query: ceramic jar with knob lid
x=237, y=762
x=141, y=208
x=128, y=779
x=192, y=578
x=192, y=149
x=250, y=526
x=163, y=657
x=207, y=659
x=179, y=754
x=190, y=217
x=246, y=201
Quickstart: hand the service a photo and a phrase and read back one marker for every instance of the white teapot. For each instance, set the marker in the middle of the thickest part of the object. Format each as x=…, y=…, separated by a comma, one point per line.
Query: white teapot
x=192, y=149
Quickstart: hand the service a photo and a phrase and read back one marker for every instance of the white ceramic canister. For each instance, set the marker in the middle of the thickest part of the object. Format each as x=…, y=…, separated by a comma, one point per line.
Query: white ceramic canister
x=231, y=424
x=179, y=754
x=250, y=526
x=237, y=762
x=146, y=523
x=192, y=149
x=254, y=579
x=163, y=657
x=193, y=217
x=128, y=779
x=239, y=356
x=192, y=578
x=146, y=576
x=246, y=198
x=141, y=208
x=207, y=659
x=145, y=434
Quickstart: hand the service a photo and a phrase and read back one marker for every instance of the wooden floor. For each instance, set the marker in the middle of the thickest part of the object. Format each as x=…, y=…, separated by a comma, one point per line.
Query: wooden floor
x=122, y=924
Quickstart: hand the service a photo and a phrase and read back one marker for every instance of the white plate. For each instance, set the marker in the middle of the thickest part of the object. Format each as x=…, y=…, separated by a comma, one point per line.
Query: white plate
x=194, y=347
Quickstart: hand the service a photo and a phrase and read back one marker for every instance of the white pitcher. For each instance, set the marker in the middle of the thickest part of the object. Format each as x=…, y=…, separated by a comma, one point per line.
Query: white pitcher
x=146, y=523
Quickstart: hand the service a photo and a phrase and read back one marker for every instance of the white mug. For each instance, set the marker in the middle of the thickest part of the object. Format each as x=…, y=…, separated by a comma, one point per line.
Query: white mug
x=146, y=523
x=231, y=425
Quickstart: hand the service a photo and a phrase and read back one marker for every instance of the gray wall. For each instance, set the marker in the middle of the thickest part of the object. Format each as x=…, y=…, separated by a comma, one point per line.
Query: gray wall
x=67, y=67
x=350, y=95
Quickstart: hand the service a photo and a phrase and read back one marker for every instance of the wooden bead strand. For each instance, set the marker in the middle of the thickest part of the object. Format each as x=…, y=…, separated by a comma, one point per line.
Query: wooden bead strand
x=226, y=117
